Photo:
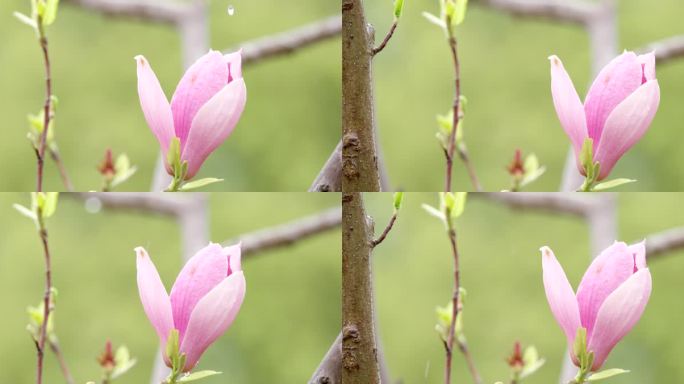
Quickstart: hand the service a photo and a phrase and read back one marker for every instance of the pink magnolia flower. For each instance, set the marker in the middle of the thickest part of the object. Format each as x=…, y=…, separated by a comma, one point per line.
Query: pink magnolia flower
x=204, y=300
x=204, y=109
x=610, y=299
x=617, y=111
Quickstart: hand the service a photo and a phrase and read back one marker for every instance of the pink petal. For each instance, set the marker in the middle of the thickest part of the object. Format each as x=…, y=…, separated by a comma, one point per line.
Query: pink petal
x=618, y=315
x=559, y=294
x=614, y=83
x=201, y=274
x=568, y=105
x=234, y=253
x=647, y=62
x=153, y=295
x=212, y=317
x=610, y=269
x=154, y=104
x=627, y=124
x=206, y=77
x=213, y=124
x=234, y=61
x=638, y=251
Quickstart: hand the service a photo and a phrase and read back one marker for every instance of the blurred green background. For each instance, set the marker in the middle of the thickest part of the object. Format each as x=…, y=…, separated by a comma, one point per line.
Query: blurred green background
x=289, y=127
x=505, y=76
x=501, y=270
x=290, y=316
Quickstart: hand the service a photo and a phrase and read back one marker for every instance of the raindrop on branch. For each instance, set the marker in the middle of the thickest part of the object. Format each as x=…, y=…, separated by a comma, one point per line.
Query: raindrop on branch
x=231, y=10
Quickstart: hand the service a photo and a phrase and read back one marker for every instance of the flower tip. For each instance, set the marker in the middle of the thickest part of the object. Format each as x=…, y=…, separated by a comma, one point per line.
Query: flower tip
x=140, y=252
x=554, y=59
x=140, y=59
x=546, y=251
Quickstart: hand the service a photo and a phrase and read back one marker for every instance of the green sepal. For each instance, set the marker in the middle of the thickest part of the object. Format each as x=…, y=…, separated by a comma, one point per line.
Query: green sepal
x=579, y=348
x=172, y=345
x=587, y=157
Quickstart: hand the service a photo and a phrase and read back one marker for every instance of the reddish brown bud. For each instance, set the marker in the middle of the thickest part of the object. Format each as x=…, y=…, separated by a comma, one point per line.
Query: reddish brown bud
x=515, y=360
x=106, y=167
x=516, y=168
x=106, y=359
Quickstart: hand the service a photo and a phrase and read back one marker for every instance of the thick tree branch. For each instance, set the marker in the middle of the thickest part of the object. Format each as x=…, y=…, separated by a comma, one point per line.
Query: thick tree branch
x=661, y=243
x=330, y=369
x=288, y=42
x=170, y=12
x=329, y=179
x=359, y=359
x=554, y=202
x=666, y=49
x=359, y=156
x=575, y=11
x=288, y=233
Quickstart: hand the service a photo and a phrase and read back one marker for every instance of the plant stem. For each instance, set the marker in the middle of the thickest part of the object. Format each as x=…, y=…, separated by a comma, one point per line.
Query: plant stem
x=452, y=148
x=54, y=154
x=47, y=108
x=54, y=346
x=453, y=46
x=455, y=302
x=46, y=298
x=449, y=345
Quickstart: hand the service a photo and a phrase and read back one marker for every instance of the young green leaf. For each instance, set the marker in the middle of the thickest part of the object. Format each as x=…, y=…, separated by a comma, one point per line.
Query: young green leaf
x=398, y=7
x=25, y=211
x=49, y=204
x=26, y=20
x=459, y=12
x=50, y=13
x=398, y=198
x=612, y=184
x=199, y=183
x=459, y=204
x=434, y=20
x=606, y=374
x=197, y=375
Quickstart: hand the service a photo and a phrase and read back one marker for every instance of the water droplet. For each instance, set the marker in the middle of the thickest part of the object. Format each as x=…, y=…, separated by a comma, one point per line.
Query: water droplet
x=231, y=10
x=93, y=205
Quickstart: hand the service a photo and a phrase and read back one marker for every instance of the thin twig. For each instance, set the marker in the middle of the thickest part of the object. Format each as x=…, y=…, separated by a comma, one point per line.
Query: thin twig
x=47, y=108
x=46, y=299
x=54, y=154
x=54, y=346
x=387, y=38
x=386, y=231
x=455, y=304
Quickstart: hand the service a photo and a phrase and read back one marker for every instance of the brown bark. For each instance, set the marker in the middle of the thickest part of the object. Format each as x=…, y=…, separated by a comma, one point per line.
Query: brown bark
x=359, y=350
x=359, y=156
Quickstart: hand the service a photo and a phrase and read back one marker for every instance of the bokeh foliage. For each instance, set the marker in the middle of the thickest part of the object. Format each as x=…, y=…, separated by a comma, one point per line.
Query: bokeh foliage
x=290, y=316
x=501, y=271
x=505, y=76
x=289, y=127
